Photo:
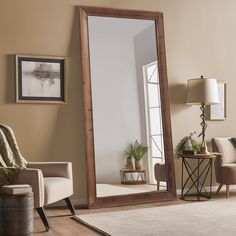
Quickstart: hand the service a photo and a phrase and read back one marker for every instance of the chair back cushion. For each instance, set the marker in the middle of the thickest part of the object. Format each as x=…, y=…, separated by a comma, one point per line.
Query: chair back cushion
x=160, y=172
x=227, y=149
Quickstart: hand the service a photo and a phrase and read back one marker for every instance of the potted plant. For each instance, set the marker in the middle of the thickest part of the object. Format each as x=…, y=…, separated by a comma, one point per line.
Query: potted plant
x=187, y=144
x=137, y=150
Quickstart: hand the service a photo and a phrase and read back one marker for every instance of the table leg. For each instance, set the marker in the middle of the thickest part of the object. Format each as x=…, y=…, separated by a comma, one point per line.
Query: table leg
x=210, y=177
x=198, y=192
x=197, y=176
x=182, y=179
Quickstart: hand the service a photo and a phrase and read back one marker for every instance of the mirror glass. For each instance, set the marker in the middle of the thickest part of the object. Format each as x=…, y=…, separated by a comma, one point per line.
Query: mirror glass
x=126, y=105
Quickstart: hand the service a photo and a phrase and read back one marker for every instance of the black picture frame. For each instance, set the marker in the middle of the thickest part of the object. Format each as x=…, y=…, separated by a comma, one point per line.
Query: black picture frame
x=40, y=79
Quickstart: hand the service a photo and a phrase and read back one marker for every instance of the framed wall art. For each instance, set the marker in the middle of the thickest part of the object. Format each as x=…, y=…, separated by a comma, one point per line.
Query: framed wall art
x=40, y=79
x=218, y=111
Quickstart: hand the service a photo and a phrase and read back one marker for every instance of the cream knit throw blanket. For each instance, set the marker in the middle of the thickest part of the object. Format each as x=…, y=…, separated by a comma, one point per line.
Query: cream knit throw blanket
x=10, y=156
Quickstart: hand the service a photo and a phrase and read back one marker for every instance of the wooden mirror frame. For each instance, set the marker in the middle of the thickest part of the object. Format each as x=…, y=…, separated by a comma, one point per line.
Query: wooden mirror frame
x=170, y=194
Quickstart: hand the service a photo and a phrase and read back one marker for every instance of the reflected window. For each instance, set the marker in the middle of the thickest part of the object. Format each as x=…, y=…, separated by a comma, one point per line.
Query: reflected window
x=153, y=116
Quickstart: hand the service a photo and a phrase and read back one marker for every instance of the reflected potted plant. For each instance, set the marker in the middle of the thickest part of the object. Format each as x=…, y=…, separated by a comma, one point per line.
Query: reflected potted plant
x=136, y=150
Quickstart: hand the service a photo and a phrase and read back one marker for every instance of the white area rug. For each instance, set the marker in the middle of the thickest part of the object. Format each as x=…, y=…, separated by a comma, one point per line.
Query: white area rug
x=214, y=217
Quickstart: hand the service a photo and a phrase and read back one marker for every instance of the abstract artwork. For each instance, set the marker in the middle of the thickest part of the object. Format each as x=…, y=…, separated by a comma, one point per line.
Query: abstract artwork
x=40, y=79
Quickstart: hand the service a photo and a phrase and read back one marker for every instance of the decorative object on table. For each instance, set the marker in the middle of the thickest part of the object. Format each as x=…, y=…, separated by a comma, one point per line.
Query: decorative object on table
x=202, y=91
x=129, y=163
x=137, y=150
x=218, y=111
x=16, y=214
x=187, y=145
x=40, y=79
x=16, y=189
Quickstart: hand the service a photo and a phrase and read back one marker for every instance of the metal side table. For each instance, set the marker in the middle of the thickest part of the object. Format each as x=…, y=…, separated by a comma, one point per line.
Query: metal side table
x=197, y=176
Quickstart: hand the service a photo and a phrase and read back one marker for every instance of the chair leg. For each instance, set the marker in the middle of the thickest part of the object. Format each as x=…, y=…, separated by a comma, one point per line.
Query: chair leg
x=227, y=191
x=43, y=217
x=158, y=185
x=219, y=188
x=70, y=206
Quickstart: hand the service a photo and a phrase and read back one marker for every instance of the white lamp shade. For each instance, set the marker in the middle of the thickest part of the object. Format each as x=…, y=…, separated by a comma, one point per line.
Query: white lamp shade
x=202, y=91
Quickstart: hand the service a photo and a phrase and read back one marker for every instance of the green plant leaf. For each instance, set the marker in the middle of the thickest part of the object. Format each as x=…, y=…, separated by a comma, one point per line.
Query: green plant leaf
x=137, y=150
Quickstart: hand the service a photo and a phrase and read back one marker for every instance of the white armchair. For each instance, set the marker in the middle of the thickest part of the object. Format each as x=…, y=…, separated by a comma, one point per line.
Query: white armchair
x=51, y=182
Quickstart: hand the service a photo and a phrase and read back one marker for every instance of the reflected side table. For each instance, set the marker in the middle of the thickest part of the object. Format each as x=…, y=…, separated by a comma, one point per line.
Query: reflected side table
x=197, y=176
x=133, y=176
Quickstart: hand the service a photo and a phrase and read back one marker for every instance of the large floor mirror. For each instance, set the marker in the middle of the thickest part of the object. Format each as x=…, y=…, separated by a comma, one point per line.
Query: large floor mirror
x=127, y=117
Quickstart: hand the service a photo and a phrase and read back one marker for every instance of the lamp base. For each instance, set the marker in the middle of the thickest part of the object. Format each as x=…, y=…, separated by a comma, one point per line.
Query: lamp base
x=203, y=148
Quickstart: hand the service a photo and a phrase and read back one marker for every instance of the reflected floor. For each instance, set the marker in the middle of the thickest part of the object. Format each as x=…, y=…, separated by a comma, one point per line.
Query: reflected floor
x=113, y=189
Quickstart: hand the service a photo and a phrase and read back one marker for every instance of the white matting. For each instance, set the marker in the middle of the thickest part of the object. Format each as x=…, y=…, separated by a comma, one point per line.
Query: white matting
x=214, y=217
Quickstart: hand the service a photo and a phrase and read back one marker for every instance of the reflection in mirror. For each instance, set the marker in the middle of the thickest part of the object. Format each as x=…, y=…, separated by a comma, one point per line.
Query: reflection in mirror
x=126, y=106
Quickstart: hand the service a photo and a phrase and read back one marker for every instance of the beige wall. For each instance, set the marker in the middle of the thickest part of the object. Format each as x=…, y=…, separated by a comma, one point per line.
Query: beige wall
x=200, y=40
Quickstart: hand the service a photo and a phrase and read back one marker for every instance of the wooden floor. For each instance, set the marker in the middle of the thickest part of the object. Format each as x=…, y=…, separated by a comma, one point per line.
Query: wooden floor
x=62, y=224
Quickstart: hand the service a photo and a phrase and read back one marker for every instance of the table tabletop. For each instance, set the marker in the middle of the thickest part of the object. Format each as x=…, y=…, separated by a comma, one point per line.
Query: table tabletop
x=210, y=155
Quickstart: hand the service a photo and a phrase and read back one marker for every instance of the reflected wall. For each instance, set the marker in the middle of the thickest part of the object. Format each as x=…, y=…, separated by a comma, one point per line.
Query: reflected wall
x=124, y=84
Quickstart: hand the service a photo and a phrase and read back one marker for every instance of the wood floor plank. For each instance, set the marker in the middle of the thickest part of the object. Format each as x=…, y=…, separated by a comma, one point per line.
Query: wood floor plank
x=62, y=225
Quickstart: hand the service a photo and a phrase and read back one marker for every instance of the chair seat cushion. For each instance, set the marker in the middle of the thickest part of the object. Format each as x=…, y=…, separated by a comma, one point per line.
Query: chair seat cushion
x=57, y=188
x=229, y=173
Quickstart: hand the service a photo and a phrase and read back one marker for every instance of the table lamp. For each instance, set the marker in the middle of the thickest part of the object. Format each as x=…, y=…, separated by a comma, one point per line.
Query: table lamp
x=202, y=91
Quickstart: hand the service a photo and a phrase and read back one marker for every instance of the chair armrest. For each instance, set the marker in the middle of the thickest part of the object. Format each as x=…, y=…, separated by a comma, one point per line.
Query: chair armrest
x=53, y=169
x=33, y=177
